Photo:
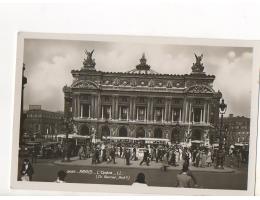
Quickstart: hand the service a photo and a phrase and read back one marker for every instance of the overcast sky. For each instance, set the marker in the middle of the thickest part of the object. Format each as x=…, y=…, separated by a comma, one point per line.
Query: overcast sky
x=49, y=63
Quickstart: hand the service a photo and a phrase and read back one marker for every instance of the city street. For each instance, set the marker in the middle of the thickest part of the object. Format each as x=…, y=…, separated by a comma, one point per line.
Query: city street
x=81, y=171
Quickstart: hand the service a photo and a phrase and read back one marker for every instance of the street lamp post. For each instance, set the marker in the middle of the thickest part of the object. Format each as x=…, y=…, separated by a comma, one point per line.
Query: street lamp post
x=106, y=125
x=178, y=132
x=68, y=129
x=220, y=155
x=22, y=114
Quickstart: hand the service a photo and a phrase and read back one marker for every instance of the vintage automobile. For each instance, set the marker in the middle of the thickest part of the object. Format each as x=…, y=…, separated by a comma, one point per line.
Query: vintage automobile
x=49, y=150
x=29, y=148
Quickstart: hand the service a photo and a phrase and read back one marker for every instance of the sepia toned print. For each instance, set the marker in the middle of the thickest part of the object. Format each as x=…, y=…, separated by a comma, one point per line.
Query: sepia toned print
x=135, y=113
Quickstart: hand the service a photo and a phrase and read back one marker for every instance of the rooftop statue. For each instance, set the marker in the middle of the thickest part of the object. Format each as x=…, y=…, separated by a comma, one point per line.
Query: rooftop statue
x=198, y=66
x=89, y=62
x=198, y=59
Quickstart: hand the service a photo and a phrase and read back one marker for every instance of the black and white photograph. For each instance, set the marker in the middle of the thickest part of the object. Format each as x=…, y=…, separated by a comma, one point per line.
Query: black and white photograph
x=134, y=112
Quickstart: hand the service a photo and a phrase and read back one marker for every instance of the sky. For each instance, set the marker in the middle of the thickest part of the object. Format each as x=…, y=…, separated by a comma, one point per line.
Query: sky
x=49, y=64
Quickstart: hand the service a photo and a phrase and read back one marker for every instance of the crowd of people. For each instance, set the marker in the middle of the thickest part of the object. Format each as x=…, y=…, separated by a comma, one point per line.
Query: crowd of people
x=167, y=155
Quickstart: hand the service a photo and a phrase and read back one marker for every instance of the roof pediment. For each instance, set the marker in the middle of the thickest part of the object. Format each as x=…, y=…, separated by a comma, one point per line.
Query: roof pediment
x=198, y=89
x=84, y=84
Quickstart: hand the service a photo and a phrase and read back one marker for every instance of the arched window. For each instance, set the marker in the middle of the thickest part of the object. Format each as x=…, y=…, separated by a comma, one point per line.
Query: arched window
x=84, y=130
x=140, y=133
x=123, y=132
x=196, y=134
x=175, y=138
x=158, y=133
x=105, y=132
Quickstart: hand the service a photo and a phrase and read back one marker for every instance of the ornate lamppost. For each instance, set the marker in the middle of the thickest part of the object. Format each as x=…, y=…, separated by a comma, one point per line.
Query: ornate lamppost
x=220, y=154
x=177, y=126
x=22, y=114
x=106, y=125
x=68, y=129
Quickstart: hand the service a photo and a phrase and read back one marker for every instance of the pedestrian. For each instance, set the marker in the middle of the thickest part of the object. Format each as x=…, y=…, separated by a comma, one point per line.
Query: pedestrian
x=120, y=151
x=239, y=158
x=127, y=156
x=134, y=154
x=104, y=154
x=140, y=180
x=197, y=158
x=34, y=154
x=165, y=162
x=209, y=159
x=185, y=156
x=26, y=171
x=203, y=159
x=93, y=156
x=145, y=158
x=112, y=155
x=97, y=155
x=172, y=156
x=157, y=154
x=184, y=179
x=81, y=152
x=61, y=175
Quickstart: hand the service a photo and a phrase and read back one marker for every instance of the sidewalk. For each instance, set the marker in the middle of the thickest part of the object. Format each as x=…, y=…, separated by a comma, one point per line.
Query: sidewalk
x=120, y=163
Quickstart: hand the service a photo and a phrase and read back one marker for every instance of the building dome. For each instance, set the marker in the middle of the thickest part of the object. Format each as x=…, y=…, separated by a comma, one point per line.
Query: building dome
x=142, y=67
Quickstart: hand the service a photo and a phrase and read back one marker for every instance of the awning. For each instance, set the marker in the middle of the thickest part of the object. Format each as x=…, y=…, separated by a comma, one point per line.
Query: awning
x=72, y=136
x=239, y=144
x=132, y=138
x=197, y=141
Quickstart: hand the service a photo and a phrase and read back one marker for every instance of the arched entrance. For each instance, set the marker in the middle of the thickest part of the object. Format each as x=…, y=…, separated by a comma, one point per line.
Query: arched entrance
x=158, y=133
x=140, y=132
x=84, y=130
x=105, y=132
x=122, y=132
x=196, y=134
x=175, y=138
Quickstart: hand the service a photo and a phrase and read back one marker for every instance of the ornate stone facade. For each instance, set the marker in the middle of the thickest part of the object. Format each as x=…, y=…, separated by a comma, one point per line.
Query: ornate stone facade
x=143, y=103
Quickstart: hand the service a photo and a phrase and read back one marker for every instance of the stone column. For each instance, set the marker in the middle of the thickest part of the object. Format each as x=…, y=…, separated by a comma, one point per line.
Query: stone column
x=130, y=109
x=200, y=115
x=204, y=113
x=78, y=106
x=162, y=115
x=92, y=106
x=113, y=107
x=81, y=111
x=116, y=107
x=189, y=112
x=180, y=118
x=134, y=109
x=186, y=112
x=119, y=113
x=148, y=109
x=110, y=112
x=102, y=112
x=165, y=110
x=151, y=110
x=208, y=114
x=89, y=112
x=145, y=115
x=169, y=110
x=98, y=105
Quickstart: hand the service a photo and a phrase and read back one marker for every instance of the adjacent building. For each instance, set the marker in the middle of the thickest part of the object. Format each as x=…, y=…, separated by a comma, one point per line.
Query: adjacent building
x=41, y=123
x=144, y=104
x=237, y=129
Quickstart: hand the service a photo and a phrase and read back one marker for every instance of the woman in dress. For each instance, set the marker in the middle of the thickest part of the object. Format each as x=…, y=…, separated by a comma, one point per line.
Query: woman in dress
x=164, y=162
x=209, y=159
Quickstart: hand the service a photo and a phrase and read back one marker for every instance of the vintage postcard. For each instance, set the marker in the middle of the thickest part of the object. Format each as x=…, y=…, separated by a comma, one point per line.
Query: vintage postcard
x=135, y=115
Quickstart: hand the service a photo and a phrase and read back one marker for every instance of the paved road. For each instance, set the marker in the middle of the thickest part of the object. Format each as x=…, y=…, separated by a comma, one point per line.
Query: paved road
x=46, y=170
